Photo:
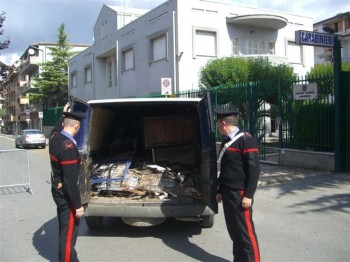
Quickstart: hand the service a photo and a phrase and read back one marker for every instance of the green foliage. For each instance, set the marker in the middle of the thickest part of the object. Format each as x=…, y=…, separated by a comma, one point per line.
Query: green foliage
x=3, y=45
x=224, y=71
x=312, y=126
x=253, y=80
x=35, y=98
x=2, y=112
x=345, y=66
x=233, y=70
x=53, y=80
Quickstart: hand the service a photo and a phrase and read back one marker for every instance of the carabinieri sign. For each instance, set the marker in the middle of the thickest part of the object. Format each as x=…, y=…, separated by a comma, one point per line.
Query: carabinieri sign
x=313, y=38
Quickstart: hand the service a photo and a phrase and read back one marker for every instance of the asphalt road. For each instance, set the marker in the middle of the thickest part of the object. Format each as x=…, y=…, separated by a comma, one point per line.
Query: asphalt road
x=300, y=220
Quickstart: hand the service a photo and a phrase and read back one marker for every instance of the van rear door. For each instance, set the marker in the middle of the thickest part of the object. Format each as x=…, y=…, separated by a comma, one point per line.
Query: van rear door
x=81, y=138
x=208, y=154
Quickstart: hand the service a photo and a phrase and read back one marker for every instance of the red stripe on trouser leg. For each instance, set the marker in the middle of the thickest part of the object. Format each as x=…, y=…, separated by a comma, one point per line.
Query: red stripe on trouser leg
x=251, y=234
x=69, y=236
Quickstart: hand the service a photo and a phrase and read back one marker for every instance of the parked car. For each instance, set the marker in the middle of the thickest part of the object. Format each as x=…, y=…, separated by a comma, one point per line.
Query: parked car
x=30, y=138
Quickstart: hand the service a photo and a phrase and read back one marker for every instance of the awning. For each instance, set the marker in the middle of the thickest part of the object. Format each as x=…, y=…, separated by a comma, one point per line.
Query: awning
x=259, y=20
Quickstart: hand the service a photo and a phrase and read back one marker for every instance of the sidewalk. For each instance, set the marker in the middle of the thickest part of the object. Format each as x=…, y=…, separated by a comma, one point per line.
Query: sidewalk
x=272, y=174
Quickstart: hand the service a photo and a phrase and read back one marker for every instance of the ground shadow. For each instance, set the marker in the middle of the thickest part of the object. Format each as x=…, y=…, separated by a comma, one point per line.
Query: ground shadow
x=174, y=234
x=331, y=202
x=45, y=240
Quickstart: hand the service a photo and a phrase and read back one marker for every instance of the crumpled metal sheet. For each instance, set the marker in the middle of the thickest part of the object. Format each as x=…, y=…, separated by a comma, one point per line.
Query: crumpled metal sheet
x=148, y=181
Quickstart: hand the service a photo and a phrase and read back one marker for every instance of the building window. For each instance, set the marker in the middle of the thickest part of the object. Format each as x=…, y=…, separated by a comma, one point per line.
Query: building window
x=205, y=43
x=235, y=46
x=159, y=48
x=110, y=74
x=104, y=29
x=294, y=53
x=115, y=71
x=128, y=59
x=73, y=80
x=253, y=47
x=88, y=74
x=272, y=48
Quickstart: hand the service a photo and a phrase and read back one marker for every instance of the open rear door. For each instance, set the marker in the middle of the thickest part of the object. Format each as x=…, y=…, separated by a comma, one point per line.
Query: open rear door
x=208, y=153
x=81, y=138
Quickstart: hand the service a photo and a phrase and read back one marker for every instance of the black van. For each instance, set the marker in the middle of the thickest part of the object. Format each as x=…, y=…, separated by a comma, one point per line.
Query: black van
x=148, y=159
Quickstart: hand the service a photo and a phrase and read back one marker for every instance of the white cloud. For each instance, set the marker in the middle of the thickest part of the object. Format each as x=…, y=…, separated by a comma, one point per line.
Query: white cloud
x=9, y=59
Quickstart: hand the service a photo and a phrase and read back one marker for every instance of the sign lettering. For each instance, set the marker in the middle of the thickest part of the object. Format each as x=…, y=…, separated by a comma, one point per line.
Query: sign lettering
x=313, y=38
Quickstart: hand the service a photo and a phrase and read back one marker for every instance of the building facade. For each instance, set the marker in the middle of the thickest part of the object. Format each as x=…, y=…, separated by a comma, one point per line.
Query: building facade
x=340, y=25
x=175, y=40
x=19, y=111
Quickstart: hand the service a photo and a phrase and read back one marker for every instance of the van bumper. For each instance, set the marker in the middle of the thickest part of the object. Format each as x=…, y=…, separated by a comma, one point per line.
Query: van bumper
x=148, y=210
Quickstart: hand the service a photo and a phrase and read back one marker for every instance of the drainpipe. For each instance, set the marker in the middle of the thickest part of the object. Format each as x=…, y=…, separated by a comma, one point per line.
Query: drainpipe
x=117, y=65
x=175, y=88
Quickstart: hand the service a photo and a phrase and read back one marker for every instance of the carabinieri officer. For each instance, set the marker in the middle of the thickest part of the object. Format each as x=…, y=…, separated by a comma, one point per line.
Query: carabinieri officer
x=65, y=159
x=238, y=179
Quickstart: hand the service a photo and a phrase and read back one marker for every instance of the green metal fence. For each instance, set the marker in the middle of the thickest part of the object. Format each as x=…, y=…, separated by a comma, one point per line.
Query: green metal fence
x=51, y=116
x=346, y=86
x=307, y=124
x=255, y=102
x=300, y=124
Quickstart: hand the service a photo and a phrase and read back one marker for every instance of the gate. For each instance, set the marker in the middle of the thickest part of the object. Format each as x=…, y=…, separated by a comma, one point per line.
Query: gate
x=14, y=171
x=256, y=102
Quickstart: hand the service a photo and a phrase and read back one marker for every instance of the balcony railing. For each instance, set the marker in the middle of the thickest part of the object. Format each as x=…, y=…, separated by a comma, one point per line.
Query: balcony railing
x=30, y=66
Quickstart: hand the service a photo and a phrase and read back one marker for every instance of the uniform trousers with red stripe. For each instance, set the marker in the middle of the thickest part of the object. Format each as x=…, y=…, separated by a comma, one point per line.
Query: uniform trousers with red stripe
x=68, y=227
x=240, y=226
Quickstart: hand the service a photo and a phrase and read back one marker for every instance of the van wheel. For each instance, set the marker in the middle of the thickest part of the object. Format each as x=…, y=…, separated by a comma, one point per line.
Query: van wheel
x=207, y=221
x=94, y=222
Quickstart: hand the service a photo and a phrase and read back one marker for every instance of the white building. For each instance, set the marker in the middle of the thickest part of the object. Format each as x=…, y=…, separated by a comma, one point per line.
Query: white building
x=340, y=24
x=177, y=38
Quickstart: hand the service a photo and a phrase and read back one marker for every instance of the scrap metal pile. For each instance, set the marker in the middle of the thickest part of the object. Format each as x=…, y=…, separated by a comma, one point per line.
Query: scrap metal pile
x=152, y=181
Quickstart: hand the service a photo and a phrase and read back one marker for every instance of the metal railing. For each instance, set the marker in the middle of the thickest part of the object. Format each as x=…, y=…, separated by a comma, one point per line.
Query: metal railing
x=14, y=171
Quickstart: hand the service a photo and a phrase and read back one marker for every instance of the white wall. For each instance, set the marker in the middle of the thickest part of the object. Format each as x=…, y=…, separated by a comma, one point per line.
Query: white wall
x=145, y=77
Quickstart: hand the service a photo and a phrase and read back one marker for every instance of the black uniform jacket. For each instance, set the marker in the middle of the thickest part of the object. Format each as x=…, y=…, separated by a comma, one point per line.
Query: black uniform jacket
x=239, y=167
x=65, y=159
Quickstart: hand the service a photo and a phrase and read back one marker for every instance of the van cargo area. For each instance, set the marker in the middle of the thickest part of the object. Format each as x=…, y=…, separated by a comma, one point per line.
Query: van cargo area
x=145, y=156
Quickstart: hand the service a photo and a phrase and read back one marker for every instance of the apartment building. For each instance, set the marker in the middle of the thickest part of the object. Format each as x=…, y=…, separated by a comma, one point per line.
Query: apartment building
x=175, y=40
x=20, y=112
x=340, y=26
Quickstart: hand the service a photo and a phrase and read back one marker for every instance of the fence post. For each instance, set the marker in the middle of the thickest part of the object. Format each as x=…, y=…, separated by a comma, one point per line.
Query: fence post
x=339, y=128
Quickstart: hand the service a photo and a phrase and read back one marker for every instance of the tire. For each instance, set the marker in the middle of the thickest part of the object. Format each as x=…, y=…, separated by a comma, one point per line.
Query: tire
x=16, y=145
x=94, y=223
x=43, y=146
x=207, y=221
x=21, y=145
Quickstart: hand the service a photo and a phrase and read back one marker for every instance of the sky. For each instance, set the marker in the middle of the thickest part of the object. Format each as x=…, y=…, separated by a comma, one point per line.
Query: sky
x=33, y=21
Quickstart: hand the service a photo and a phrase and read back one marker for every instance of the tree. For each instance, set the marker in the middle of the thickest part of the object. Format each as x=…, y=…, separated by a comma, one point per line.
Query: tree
x=234, y=70
x=247, y=84
x=323, y=74
x=53, y=79
x=3, y=45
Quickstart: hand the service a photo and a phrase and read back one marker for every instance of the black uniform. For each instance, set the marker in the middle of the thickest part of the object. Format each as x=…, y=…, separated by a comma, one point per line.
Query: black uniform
x=65, y=159
x=239, y=175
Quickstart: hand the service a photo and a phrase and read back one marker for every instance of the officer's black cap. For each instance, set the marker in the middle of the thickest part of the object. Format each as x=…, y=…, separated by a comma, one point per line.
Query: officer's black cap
x=221, y=113
x=78, y=115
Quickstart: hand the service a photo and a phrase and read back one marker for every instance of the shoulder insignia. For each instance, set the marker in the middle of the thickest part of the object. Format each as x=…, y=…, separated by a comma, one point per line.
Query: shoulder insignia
x=68, y=144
